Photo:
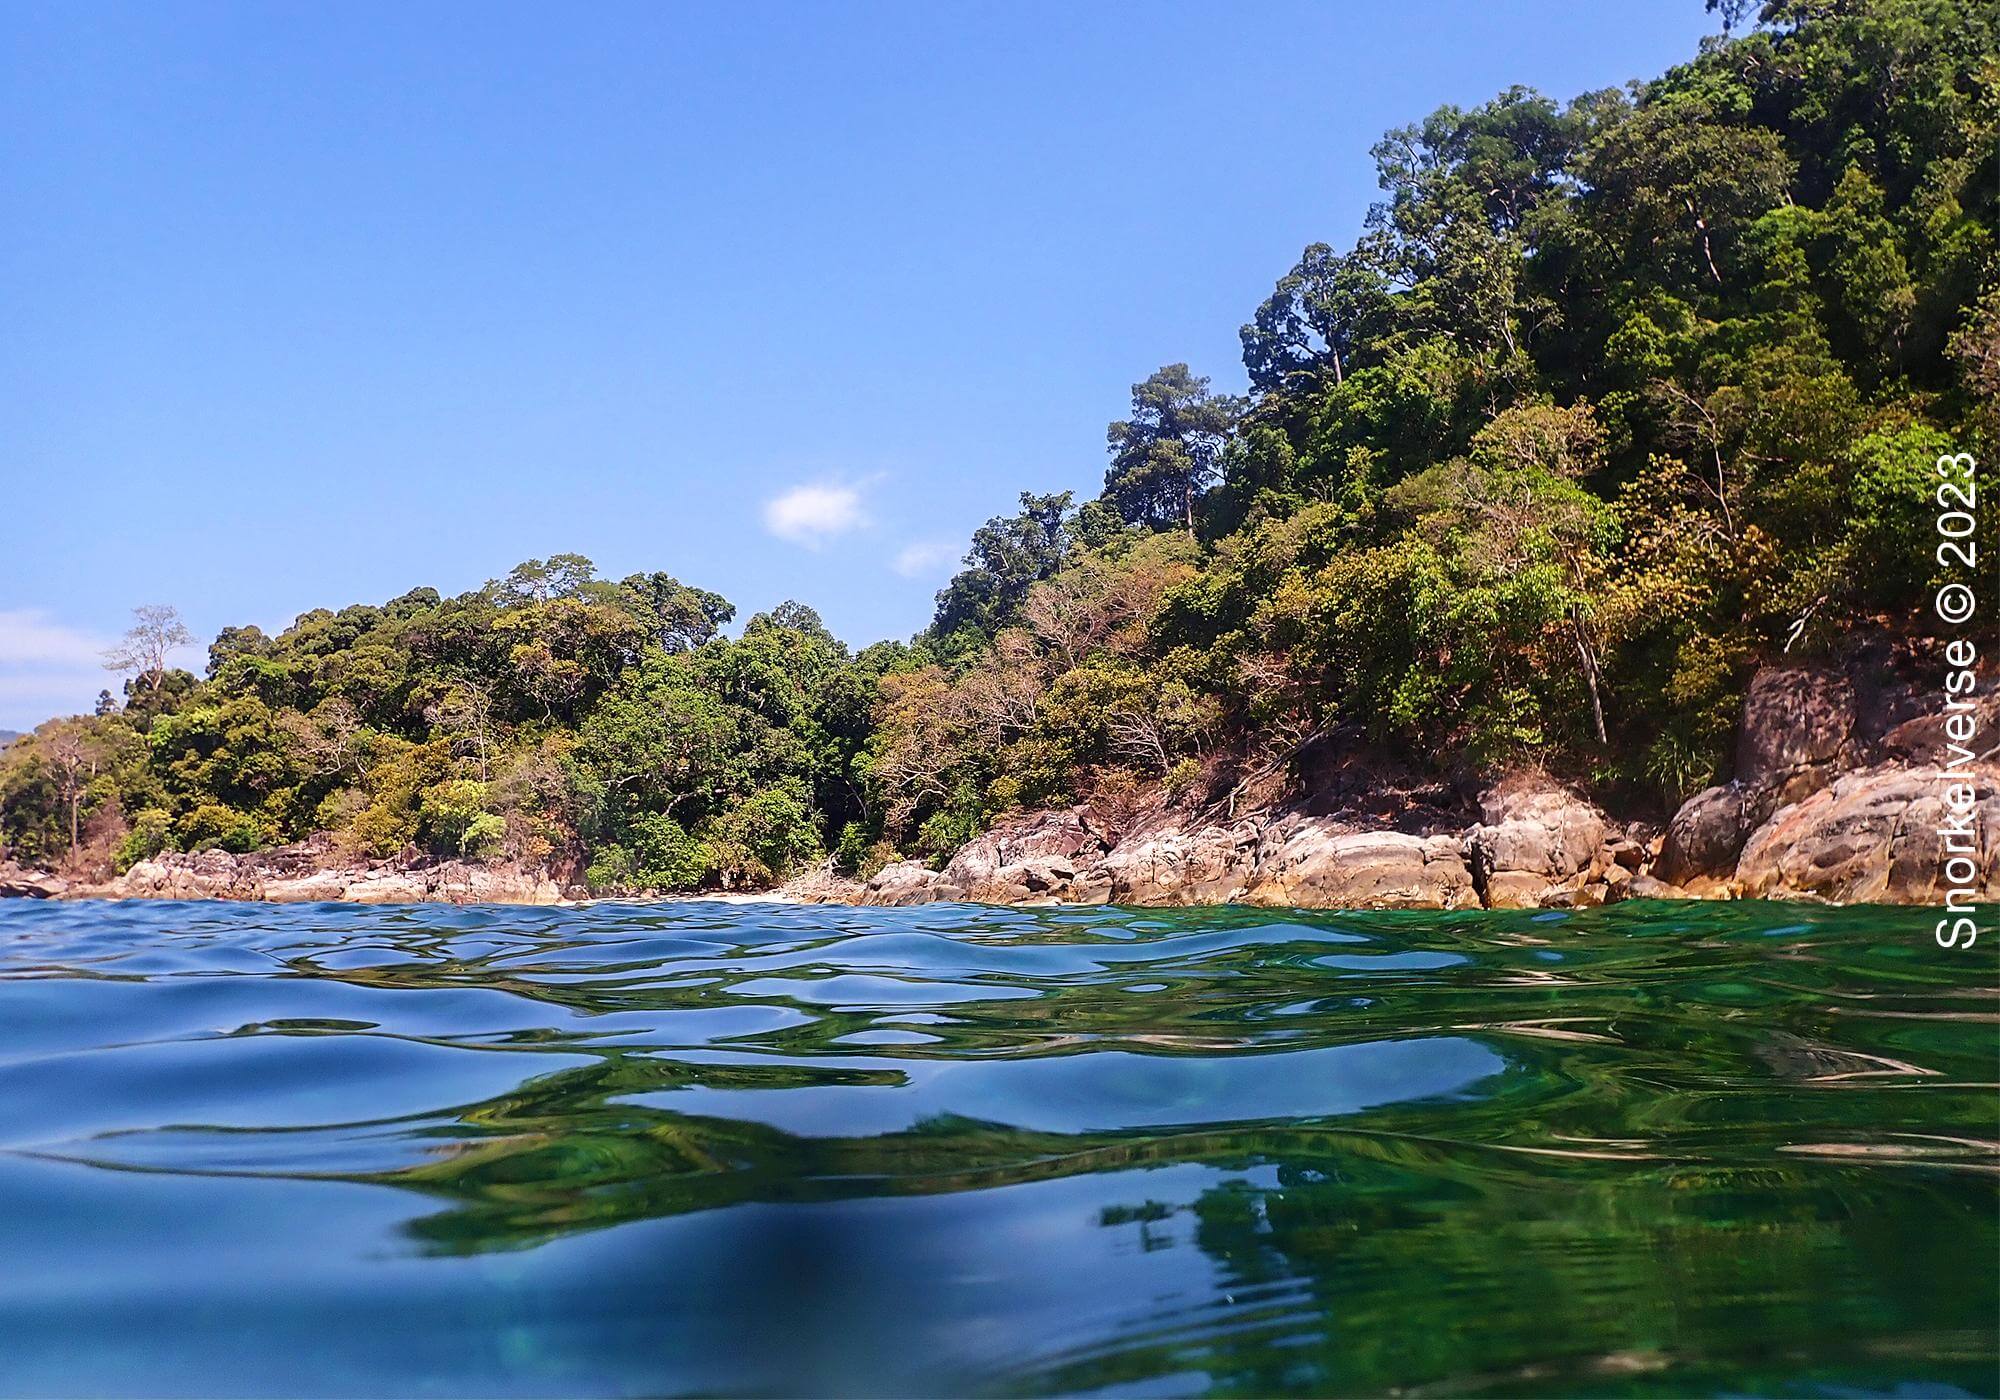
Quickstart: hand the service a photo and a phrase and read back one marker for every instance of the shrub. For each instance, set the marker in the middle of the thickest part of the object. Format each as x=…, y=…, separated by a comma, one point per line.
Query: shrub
x=151, y=833
x=212, y=824
x=665, y=857
x=610, y=871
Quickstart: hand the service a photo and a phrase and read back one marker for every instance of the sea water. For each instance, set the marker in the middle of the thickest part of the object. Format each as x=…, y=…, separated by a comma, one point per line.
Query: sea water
x=741, y=1149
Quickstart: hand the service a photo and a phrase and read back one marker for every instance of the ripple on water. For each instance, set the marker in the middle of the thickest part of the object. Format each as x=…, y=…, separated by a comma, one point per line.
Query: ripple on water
x=707, y=1147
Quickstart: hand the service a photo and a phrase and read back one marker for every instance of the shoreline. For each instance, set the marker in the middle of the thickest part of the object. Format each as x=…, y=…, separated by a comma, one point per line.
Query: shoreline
x=781, y=898
x=1837, y=799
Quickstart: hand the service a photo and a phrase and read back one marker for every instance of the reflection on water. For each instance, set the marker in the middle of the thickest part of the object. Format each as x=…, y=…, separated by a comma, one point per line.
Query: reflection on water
x=752, y=1149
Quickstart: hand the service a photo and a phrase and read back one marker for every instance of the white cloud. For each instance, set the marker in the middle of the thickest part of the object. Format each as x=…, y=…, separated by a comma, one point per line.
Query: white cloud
x=49, y=668
x=921, y=557
x=29, y=638
x=810, y=515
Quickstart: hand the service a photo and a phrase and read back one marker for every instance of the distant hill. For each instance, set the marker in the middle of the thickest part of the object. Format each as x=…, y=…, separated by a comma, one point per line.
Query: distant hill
x=8, y=736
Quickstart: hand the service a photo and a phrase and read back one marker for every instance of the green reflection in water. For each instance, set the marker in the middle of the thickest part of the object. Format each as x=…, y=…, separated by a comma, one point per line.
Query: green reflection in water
x=696, y=1148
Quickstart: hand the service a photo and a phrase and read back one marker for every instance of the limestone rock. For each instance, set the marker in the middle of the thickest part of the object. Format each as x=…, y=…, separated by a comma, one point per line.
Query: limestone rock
x=471, y=882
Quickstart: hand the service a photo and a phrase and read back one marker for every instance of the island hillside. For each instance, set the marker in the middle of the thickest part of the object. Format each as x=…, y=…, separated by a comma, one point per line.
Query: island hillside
x=1594, y=476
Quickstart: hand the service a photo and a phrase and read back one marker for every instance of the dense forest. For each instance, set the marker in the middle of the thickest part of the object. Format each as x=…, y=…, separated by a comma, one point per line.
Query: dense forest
x=1608, y=401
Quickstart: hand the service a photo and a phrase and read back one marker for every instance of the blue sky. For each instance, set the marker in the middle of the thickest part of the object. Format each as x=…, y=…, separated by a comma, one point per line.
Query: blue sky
x=308, y=305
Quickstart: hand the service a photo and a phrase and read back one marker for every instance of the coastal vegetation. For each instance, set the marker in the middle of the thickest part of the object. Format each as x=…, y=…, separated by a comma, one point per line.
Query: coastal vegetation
x=1608, y=401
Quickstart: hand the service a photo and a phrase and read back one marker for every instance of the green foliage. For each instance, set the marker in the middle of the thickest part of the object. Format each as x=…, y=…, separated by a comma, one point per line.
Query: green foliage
x=1170, y=450
x=1008, y=556
x=665, y=857
x=454, y=813
x=152, y=832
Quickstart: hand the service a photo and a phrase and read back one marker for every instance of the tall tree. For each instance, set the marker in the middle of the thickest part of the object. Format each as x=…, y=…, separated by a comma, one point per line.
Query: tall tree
x=1170, y=450
x=1317, y=319
x=72, y=760
x=156, y=631
x=1009, y=555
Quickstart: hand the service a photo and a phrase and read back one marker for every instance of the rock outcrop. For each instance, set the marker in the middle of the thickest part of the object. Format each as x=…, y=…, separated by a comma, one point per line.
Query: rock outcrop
x=1839, y=787
x=1183, y=858
x=1304, y=864
x=1797, y=731
x=1536, y=839
x=1291, y=856
x=18, y=882
x=1838, y=794
x=1875, y=837
x=1705, y=837
x=904, y=882
x=307, y=873
x=1033, y=858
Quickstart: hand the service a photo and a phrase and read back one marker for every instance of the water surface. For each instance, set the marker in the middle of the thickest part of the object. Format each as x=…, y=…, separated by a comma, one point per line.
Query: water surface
x=705, y=1148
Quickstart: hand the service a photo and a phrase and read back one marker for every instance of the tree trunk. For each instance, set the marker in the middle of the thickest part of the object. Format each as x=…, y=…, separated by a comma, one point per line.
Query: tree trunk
x=1583, y=650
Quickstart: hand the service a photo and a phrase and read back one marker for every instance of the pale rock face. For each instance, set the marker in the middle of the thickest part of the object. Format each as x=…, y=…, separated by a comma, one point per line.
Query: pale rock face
x=1024, y=858
x=1166, y=863
x=463, y=882
x=294, y=875
x=904, y=882
x=1286, y=857
x=200, y=875
x=17, y=882
x=1315, y=865
x=1534, y=840
x=319, y=887
x=1872, y=837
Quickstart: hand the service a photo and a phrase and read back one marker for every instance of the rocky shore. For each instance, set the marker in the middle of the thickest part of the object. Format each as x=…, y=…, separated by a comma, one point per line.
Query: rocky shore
x=1839, y=790
x=307, y=872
